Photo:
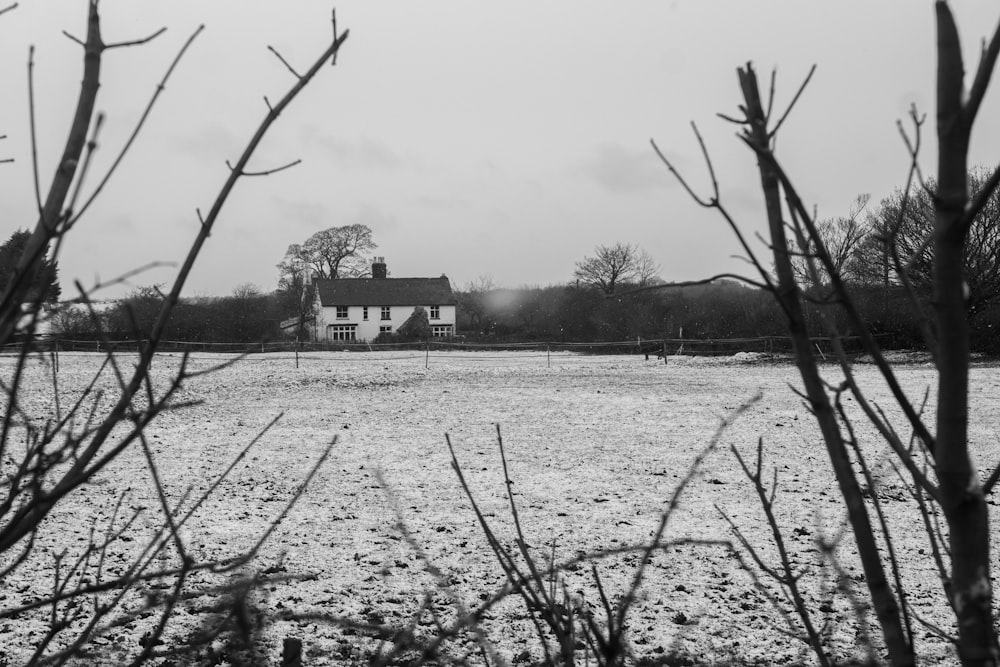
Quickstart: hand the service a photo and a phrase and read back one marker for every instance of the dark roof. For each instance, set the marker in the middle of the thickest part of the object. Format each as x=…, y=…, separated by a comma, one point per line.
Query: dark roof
x=385, y=292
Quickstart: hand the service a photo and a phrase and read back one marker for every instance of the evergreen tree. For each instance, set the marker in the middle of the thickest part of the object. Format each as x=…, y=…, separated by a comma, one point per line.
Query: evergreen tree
x=46, y=280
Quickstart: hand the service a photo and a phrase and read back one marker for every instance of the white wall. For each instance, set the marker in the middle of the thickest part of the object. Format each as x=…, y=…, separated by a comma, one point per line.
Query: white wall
x=369, y=329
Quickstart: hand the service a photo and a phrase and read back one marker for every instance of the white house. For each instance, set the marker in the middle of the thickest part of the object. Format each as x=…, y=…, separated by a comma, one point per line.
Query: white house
x=362, y=308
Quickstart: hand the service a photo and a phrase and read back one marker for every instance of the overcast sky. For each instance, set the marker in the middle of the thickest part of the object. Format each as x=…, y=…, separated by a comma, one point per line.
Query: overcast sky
x=503, y=139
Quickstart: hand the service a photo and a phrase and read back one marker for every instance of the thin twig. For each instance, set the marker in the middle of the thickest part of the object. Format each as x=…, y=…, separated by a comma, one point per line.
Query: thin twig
x=680, y=179
x=788, y=579
x=984, y=72
x=869, y=477
x=976, y=205
x=770, y=96
x=766, y=281
x=135, y=132
x=264, y=173
x=136, y=42
x=708, y=162
x=730, y=119
x=515, y=577
x=774, y=131
x=75, y=39
x=31, y=126
x=991, y=481
x=467, y=619
x=284, y=62
x=862, y=331
x=82, y=173
x=333, y=18
x=674, y=503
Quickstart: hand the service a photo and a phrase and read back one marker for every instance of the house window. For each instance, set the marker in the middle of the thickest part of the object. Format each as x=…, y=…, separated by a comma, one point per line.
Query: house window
x=385, y=329
x=435, y=312
x=364, y=313
x=341, y=332
x=386, y=315
x=341, y=312
x=442, y=331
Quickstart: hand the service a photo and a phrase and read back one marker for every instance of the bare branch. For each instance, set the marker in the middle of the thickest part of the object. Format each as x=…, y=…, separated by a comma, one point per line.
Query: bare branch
x=991, y=481
x=284, y=62
x=984, y=72
x=120, y=279
x=265, y=173
x=82, y=174
x=674, y=502
x=862, y=330
x=974, y=207
x=716, y=204
x=50, y=217
x=869, y=477
x=777, y=126
x=75, y=39
x=786, y=577
x=333, y=19
x=136, y=42
x=736, y=121
x=680, y=179
x=770, y=95
x=8, y=8
x=94, y=455
x=142, y=120
x=893, y=249
x=708, y=162
x=31, y=125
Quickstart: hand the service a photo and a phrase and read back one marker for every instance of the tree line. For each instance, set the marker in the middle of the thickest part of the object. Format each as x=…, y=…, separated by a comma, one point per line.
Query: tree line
x=615, y=294
x=245, y=316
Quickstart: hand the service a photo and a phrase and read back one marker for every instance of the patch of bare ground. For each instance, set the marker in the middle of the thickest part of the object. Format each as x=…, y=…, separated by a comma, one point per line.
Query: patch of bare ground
x=595, y=446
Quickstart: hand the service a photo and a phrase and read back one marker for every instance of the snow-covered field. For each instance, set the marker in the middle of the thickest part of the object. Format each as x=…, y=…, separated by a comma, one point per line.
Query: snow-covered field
x=595, y=447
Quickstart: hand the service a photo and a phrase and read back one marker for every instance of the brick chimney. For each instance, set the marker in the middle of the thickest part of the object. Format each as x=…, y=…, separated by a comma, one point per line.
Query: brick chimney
x=379, y=269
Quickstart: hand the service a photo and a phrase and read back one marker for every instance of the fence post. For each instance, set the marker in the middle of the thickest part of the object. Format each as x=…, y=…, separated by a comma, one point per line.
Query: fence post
x=548, y=356
x=297, y=345
x=427, y=355
x=664, y=343
x=291, y=652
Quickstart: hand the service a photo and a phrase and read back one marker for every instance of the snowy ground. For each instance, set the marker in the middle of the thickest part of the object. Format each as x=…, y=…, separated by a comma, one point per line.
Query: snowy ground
x=595, y=445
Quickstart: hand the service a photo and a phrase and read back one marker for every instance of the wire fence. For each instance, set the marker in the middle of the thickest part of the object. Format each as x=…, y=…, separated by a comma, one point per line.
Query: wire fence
x=453, y=350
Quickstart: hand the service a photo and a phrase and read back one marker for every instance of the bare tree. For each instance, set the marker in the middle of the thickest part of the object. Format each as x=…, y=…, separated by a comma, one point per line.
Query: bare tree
x=246, y=291
x=612, y=266
x=337, y=252
x=54, y=447
x=907, y=217
x=841, y=236
x=935, y=461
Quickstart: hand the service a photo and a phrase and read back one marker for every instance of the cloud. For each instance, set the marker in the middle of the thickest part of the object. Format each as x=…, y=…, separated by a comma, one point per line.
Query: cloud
x=440, y=203
x=212, y=140
x=375, y=218
x=308, y=214
x=624, y=171
x=354, y=154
